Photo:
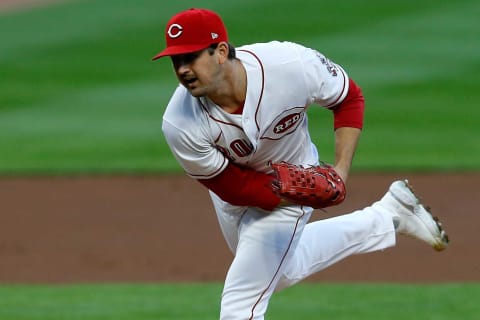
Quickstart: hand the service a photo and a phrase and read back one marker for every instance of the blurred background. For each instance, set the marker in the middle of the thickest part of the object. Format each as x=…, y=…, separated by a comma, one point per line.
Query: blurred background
x=78, y=92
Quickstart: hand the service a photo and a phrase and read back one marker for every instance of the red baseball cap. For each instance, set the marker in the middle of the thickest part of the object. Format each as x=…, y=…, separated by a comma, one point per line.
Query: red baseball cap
x=192, y=30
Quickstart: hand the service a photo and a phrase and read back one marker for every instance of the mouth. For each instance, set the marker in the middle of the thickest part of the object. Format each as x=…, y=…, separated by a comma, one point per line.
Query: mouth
x=189, y=81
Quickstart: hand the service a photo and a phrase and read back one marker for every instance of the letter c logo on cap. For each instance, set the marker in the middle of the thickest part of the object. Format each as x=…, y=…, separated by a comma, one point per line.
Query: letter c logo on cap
x=175, y=30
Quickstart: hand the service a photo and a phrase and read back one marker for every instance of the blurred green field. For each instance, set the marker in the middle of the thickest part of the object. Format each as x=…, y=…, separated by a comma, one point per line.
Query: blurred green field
x=200, y=301
x=79, y=94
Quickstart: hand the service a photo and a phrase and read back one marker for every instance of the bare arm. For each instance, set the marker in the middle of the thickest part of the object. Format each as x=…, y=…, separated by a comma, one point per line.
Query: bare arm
x=346, y=141
x=348, y=124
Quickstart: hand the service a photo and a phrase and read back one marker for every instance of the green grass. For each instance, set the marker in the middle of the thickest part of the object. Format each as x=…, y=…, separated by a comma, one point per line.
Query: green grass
x=201, y=301
x=79, y=94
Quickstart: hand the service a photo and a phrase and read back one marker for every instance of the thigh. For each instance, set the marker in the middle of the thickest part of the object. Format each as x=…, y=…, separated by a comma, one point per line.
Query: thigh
x=266, y=241
x=228, y=219
x=325, y=242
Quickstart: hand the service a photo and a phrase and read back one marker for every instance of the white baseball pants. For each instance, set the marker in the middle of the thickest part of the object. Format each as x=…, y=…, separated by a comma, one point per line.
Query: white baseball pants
x=274, y=250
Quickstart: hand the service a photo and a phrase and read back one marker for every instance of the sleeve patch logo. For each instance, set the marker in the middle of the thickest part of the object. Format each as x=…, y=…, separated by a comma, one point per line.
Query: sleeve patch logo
x=328, y=64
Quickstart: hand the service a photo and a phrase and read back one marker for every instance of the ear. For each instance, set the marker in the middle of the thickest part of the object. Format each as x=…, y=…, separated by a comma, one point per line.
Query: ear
x=223, y=51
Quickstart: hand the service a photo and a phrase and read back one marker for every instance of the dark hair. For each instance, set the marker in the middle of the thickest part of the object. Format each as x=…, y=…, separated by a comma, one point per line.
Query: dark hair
x=231, y=50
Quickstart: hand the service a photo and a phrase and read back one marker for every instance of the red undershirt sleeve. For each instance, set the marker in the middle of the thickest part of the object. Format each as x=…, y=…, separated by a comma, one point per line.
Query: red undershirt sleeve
x=349, y=113
x=243, y=187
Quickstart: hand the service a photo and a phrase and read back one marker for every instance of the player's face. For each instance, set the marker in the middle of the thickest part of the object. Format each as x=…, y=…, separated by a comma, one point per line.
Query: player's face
x=197, y=71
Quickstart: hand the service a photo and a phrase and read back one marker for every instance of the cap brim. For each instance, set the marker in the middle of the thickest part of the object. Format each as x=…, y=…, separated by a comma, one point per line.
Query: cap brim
x=174, y=50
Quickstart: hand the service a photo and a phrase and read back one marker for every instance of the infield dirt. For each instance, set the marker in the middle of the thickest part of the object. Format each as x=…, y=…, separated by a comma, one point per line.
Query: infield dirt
x=163, y=228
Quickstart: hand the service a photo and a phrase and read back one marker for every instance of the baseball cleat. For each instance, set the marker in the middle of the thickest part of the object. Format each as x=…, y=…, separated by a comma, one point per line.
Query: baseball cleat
x=413, y=218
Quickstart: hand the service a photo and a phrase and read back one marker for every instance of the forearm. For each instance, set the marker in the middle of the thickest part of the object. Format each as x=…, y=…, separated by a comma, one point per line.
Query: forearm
x=346, y=141
x=243, y=187
x=348, y=123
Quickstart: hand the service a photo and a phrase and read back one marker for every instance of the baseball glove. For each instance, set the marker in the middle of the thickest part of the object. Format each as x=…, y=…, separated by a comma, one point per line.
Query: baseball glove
x=316, y=186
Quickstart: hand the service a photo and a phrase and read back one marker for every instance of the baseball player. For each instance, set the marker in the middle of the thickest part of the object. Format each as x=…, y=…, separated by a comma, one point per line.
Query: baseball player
x=239, y=110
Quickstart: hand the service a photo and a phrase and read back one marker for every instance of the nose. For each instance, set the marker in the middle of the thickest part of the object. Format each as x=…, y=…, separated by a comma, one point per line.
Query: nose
x=180, y=62
x=182, y=67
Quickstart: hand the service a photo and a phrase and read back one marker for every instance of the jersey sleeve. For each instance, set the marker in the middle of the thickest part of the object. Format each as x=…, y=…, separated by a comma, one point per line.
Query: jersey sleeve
x=252, y=188
x=195, y=153
x=327, y=82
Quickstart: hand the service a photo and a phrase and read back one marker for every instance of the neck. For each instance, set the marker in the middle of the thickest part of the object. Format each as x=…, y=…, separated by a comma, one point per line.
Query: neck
x=233, y=89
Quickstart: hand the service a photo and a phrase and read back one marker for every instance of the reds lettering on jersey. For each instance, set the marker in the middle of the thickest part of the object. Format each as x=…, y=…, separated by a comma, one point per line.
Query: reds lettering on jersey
x=283, y=79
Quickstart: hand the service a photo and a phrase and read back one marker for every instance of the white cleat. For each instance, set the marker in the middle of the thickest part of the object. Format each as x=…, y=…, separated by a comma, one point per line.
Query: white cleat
x=413, y=218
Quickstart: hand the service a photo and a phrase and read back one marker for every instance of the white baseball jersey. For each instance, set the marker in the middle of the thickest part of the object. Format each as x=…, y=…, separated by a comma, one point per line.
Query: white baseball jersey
x=283, y=79
x=280, y=248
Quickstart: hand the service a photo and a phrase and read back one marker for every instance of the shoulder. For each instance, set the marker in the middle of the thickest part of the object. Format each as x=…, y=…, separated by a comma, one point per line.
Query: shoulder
x=274, y=46
x=274, y=51
x=183, y=113
x=282, y=56
x=181, y=107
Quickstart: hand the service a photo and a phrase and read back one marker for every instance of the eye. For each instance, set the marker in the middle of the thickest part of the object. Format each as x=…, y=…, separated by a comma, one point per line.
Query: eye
x=182, y=59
